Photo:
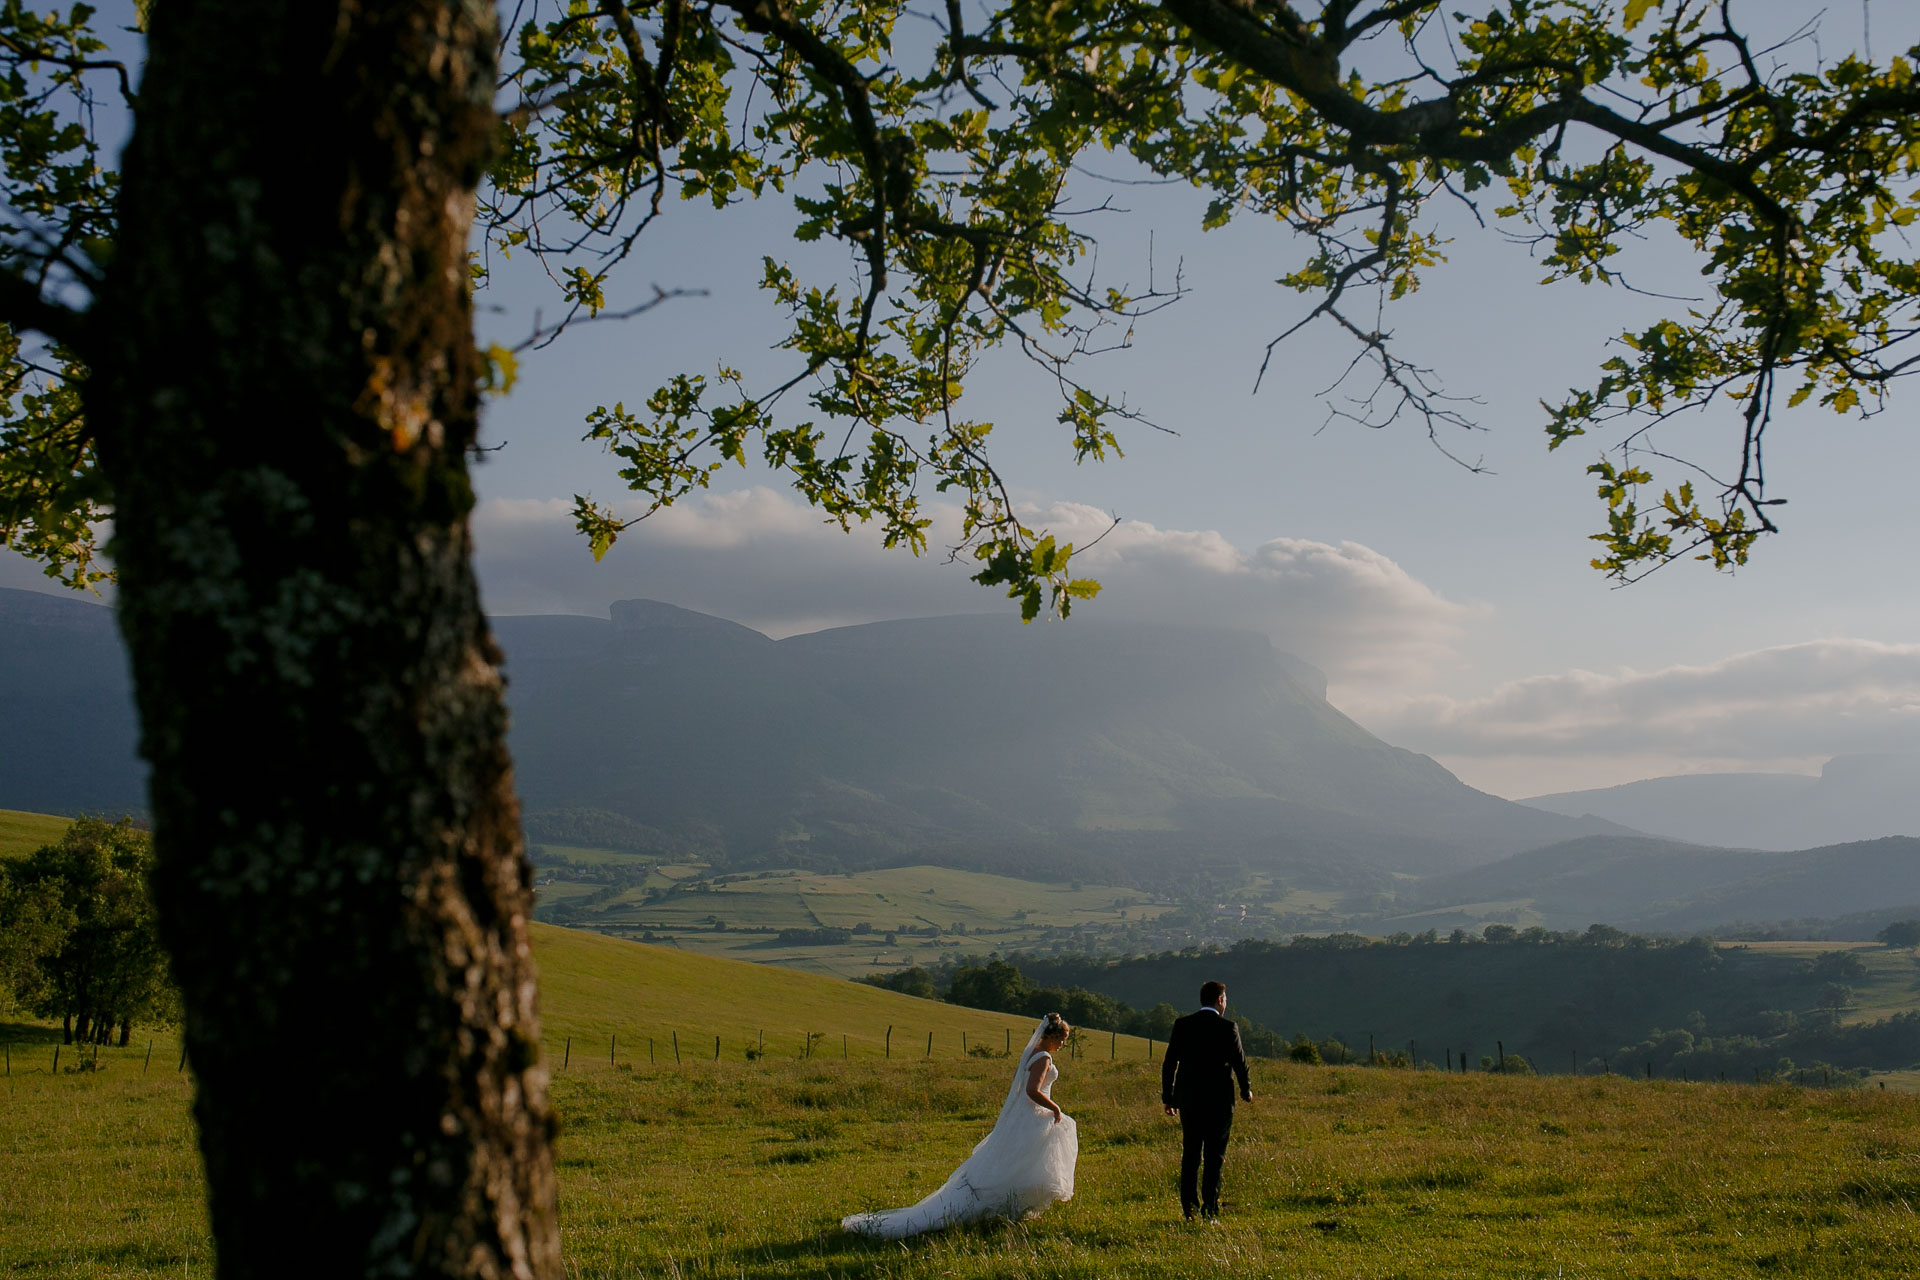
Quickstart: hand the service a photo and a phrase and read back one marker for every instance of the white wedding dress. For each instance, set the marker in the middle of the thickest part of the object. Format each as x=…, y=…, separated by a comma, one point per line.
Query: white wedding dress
x=1021, y=1167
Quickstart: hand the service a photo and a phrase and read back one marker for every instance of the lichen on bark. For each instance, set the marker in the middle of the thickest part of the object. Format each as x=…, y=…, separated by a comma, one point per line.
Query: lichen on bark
x=286, y=391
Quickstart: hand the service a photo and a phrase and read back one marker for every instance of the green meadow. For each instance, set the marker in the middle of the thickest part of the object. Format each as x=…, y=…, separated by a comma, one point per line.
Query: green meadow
x=906, y=915
x=609, y=1002
x=22, y=833
x=742, y=1167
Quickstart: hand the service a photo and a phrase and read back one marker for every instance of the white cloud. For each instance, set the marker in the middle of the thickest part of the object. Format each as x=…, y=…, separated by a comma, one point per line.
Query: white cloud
x=1786, y=707
x=1344, y=607
x=763, y=558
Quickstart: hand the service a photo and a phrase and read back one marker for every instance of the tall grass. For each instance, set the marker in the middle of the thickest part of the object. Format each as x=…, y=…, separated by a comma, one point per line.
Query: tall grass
x=744, y=1169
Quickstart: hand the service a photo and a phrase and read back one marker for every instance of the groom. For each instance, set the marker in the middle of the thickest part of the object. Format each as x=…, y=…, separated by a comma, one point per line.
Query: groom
x=1196, y=1083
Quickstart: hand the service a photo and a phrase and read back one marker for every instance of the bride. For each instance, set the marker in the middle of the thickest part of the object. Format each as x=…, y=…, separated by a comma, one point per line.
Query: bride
x=1022, y=1166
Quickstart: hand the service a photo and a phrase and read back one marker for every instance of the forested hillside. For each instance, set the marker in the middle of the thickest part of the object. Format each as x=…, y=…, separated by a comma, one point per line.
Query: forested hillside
x=1557, y=999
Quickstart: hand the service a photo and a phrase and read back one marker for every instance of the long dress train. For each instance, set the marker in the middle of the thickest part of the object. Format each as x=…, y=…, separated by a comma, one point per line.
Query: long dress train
x=1018, y=1169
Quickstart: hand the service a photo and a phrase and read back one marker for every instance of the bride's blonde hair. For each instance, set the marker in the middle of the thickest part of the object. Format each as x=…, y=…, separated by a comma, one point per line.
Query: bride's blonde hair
x=1056, y=1028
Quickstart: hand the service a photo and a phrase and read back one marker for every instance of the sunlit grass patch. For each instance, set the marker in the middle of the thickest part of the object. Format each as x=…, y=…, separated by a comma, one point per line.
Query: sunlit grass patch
x=744, y=1168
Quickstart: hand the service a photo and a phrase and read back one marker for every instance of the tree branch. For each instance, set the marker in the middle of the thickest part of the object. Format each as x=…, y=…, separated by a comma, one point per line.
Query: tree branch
x=24, y=308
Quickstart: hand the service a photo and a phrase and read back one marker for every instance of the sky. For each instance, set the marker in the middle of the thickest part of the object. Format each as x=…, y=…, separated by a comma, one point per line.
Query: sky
x=1454, y=613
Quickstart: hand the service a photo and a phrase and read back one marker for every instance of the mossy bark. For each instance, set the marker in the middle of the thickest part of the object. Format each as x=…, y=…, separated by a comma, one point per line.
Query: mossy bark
x=285, y=394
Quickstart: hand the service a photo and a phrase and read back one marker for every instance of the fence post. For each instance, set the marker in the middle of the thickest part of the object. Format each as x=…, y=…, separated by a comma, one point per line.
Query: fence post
x=649, y=1050
x=963, y=1044
x=1500, y=1046
x=1413, y=1054
x=676, y=1047
x=716, y=1048
x=1649, y=1071
x=567, y=1056
x=1370, y=1052
x=612, y=1040
x=1149, y=1048
x=143, y=1066
x=889, y=1040
x=1009, y=1031
x=1576, y=1061
x=1113, y=1049
x=929, y=1044
x=843, y=1046
x=56, y=1060
x=763, y=1042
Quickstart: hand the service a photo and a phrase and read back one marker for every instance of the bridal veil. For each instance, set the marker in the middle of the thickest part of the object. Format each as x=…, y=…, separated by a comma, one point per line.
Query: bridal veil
x=1024, y=1164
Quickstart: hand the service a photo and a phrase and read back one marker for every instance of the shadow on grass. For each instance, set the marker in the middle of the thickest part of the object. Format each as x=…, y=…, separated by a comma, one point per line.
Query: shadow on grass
x=29, y=1034
x=129, y=1258
x=835, y=1253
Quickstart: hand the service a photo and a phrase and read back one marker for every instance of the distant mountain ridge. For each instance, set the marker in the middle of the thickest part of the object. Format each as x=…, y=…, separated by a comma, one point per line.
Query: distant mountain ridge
x=1667, y=887
x=1113, y=752
x=977, y=741
x=1855, y=797
x=67, y=724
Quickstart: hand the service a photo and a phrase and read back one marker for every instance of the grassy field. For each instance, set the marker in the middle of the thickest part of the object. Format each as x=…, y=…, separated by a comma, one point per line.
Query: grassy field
x=609, y=997
x=1892, y=984
x=22, y=833
x=928, y=912
x=743, y=1168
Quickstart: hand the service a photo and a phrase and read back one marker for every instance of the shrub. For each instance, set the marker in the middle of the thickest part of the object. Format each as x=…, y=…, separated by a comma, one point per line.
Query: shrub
x=1837, y=966
x=1901, y=933
x=1305, y=1050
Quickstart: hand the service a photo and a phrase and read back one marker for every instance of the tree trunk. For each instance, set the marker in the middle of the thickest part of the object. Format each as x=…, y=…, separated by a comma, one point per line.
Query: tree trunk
x=285, y=394
x=126, y=1031
x=66, y=1028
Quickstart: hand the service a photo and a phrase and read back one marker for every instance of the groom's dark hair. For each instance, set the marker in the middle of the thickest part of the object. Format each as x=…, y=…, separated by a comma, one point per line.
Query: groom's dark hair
x=1210, y=992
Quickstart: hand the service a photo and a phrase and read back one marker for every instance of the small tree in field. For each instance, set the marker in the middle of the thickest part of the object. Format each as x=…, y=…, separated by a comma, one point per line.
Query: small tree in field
x=1901, y=933
x=101, y=967
x=33, y=923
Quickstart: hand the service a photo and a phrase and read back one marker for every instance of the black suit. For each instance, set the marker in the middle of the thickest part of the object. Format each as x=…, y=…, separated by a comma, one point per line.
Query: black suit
x=1197, y=1076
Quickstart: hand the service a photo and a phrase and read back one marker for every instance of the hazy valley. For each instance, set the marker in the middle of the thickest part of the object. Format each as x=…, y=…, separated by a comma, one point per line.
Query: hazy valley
x=1170, y=786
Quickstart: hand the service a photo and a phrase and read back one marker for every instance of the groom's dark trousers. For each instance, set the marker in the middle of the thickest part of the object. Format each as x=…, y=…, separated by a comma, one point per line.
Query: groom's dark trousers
x=1203, y=1063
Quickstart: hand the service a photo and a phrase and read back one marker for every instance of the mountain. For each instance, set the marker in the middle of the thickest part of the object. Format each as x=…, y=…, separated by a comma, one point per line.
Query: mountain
x=1856, y=797
x=67, y=723
x=978, y=741
x=1837, y=880
x=1664, y=886
x=1053, y=751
